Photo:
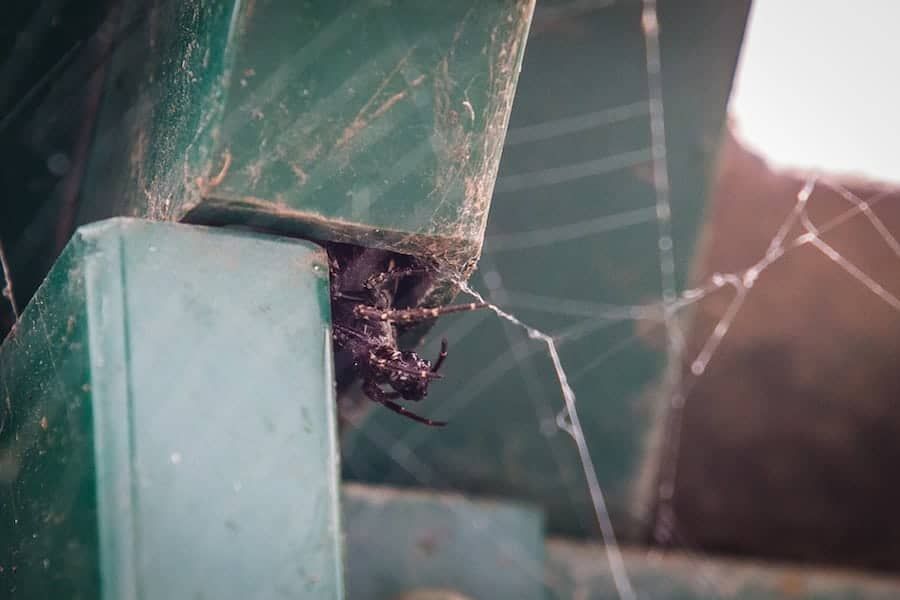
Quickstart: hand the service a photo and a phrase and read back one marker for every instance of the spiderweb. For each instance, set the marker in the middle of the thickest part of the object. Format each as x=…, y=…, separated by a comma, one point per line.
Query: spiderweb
x=798, y=230
x=665, y=315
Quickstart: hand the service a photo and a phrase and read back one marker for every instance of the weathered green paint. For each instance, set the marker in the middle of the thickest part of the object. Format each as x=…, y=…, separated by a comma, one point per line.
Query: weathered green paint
x=363, y=121
x=168, y=426
x=410, y=542
x=582, y=571
x=49, y=539
x=554, y=259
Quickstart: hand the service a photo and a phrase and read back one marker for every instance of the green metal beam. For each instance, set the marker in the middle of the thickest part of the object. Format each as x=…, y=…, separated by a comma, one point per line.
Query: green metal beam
x=361, y=121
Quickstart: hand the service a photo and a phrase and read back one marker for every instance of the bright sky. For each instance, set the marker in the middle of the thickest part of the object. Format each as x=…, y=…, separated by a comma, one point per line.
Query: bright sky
x=818, y=85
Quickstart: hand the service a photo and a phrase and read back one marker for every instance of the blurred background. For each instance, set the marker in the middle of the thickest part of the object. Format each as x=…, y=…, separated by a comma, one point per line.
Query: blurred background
x=724, y=299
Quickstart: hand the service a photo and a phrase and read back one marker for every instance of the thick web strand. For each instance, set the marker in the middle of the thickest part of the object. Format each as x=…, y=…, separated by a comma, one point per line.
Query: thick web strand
x=569, y=422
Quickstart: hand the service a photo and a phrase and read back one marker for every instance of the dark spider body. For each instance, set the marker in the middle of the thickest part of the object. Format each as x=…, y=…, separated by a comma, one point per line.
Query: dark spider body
x=365, y=316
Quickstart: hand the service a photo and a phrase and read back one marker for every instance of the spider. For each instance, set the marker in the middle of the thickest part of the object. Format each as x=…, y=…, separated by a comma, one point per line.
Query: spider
x=365, y=326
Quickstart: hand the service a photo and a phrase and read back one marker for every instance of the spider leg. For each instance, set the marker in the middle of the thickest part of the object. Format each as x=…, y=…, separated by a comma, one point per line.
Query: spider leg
x=343, y=334
x=400, y=368
x=352, y=296
x=441, y=357
x=414, y=315
x=384, y=398
x=340, y=336
x=376, y=281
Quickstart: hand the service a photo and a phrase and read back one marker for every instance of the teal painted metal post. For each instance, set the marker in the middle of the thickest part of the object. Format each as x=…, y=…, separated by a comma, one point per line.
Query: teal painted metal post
x=167, y=425
x=411, y=542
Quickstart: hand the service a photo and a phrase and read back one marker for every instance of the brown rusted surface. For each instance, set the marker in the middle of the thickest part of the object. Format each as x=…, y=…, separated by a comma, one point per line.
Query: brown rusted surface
x=790, y=438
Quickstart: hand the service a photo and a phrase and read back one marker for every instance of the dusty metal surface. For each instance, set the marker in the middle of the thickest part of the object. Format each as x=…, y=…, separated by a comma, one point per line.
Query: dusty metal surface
x=576, y=570
x=358, y=121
